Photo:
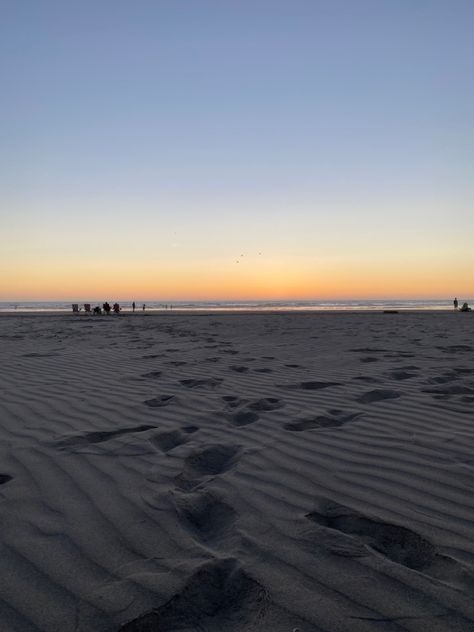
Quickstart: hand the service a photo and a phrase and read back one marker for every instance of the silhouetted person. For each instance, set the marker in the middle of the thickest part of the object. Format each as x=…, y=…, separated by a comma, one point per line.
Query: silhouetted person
x=116, y=308
x=106, y=308
x=455, y=302
x=465, y=308
x=97, y=311
x=143, y=307
x=133, y=306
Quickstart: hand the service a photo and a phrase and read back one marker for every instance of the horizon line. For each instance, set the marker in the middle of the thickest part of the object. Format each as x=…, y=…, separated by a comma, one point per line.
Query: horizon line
x=229, y=300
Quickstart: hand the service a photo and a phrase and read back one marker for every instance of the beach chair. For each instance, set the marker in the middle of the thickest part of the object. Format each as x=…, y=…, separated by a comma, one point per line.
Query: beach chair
x=87, y=308
x=75, y=308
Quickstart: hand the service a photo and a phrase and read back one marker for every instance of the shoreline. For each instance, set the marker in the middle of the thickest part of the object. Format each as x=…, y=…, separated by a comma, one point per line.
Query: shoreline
x=223, y=312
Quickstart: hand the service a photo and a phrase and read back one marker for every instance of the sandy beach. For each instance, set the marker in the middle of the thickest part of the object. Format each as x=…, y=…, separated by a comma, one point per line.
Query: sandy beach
x=237, y=472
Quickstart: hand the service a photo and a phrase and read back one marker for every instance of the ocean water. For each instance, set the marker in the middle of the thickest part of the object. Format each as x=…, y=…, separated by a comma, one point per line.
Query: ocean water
x=226, y=306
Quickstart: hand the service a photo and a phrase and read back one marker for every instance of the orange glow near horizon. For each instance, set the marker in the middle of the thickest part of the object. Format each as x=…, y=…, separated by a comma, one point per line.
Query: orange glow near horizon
x=334, y=252
x=247, y=280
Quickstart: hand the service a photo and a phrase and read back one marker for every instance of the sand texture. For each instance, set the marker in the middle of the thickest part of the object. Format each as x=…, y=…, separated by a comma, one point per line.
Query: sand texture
x=227, y=473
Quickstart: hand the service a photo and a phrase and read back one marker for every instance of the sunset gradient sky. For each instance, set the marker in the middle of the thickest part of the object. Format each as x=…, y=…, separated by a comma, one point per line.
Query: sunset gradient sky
x=149, y=146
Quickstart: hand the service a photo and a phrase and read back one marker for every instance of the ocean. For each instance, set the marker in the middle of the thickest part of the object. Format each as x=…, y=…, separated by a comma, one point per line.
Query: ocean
x=236, y=306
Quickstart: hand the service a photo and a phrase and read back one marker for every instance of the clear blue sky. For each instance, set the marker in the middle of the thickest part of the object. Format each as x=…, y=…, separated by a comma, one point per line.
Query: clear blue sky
x=180, y=133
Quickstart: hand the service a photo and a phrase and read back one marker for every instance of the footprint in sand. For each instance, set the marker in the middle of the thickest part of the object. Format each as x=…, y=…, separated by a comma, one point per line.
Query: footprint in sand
x=244, y=418
x=207, y=516
x=377, y=395
x=367, y=378
x=239, y=369
x=166, y=441
x=401, y=375
x=462, y=371
x=232, y=401
x=152, y=375
x=210, y=461
x=455, y=348
x=190, y=429
x=453, y=389
x=100, y=436
x=202, y=383
x=368, y=350
x=311, y=385
x=213, y=460
x=396, y=543
x=40, y=355
x=316, y=386
x=160, y=401
x=332, y=420
x=443, y=379
x=218, y=596
x=266, y=404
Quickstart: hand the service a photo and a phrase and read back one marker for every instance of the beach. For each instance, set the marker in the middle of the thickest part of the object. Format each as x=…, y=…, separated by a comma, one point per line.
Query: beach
x=289, y=472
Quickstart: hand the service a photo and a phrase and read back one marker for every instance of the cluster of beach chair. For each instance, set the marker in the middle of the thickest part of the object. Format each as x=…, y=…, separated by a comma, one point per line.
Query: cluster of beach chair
x=97, y=310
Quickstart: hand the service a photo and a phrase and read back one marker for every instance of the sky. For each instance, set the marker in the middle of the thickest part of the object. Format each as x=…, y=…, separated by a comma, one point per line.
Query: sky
x=218, y=149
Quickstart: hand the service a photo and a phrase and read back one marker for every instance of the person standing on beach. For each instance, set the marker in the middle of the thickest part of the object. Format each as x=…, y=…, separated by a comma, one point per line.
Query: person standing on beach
x=455, y=303
x=143, y=307
x=133, y=306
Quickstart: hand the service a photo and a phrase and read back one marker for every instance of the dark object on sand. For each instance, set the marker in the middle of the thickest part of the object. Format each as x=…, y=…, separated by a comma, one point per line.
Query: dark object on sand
x=97, y=311
x=390, y=311
x=465, y=308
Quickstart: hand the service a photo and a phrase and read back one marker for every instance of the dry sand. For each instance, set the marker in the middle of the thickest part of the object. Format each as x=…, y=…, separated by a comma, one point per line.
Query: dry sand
x=228, y=473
